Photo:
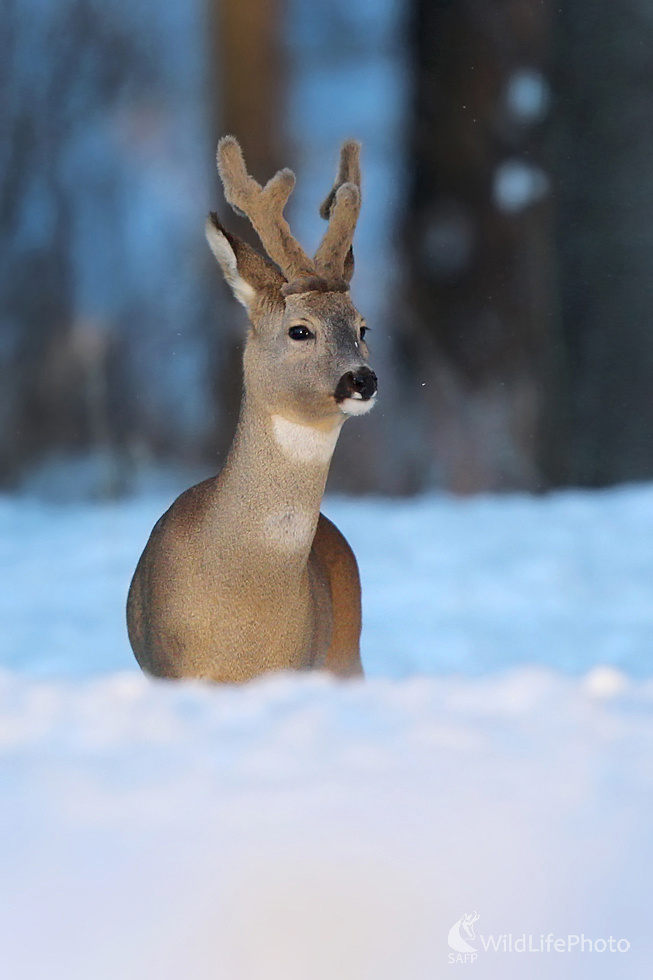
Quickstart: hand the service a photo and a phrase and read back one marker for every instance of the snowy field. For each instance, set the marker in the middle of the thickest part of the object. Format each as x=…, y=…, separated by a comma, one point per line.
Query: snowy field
x=498, y=760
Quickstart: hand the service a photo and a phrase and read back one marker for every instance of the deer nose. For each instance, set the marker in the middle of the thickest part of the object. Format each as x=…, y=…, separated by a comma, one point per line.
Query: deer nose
x=357, y=384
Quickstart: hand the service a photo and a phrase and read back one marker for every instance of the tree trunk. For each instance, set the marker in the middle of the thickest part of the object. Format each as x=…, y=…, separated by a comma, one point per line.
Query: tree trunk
x=476, y=350
x=604, y=75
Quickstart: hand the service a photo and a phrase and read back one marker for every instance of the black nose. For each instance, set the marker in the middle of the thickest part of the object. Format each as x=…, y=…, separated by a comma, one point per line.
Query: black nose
x=361, y=384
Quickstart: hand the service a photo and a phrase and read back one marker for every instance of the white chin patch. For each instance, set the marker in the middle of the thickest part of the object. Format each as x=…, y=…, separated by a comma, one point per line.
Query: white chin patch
x=357, y=405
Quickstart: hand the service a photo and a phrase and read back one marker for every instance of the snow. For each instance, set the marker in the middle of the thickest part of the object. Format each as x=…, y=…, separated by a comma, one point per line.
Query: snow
x=497, y=759
x=472, y=585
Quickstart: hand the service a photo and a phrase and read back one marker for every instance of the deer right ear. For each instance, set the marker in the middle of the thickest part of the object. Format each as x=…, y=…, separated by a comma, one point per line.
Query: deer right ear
x=245, y=271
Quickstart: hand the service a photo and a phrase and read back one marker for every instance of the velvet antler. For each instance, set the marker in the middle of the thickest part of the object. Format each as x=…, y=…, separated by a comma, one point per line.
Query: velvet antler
x=264, y=208
x=334, y=258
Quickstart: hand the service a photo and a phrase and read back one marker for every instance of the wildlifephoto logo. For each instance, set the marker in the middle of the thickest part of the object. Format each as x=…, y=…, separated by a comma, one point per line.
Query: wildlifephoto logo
x=462, y=931
x=459, y=934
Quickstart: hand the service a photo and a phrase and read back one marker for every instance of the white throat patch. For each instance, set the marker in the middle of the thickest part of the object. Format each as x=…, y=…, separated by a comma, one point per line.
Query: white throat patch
x=303, y=443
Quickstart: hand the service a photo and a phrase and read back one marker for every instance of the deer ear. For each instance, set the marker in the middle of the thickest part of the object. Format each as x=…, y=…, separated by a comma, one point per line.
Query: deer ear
x=244, y=269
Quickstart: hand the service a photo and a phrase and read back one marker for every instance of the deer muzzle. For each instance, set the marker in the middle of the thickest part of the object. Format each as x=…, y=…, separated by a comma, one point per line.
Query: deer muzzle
x=360, y=384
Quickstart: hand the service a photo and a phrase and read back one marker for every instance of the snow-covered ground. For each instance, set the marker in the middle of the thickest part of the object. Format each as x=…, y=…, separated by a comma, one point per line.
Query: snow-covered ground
x=498, y=760
x=471, y=585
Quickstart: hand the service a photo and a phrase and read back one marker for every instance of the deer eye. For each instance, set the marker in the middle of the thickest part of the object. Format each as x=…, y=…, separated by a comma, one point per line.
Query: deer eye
x=363, y=332
x=299, y=332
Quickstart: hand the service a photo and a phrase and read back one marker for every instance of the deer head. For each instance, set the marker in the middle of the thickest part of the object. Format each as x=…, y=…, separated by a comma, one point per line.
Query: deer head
x=305, y=357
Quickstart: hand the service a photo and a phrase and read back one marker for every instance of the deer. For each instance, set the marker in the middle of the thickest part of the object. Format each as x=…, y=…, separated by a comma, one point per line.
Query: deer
x=243, y=574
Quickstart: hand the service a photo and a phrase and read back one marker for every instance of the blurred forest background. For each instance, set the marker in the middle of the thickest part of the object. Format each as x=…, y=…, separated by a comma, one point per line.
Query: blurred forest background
x=504, y=254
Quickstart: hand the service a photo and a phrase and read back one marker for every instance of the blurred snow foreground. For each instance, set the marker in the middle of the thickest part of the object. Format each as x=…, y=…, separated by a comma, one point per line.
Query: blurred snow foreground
x=298, y=827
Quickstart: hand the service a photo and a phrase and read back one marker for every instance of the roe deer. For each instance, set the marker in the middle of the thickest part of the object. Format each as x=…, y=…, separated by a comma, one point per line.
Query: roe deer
x=243, y=574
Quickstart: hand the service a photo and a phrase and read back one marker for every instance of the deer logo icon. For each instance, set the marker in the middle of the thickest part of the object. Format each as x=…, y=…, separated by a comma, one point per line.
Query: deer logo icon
x=465, y=924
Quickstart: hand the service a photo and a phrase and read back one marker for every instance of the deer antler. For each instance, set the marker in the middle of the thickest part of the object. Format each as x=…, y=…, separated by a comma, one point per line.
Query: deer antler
x=264, y=208
x=341, y=208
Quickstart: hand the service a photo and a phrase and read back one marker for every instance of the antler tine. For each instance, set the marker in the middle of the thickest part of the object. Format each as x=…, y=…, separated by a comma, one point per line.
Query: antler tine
x=349, y=172
x=341, y=208
x=264, y=208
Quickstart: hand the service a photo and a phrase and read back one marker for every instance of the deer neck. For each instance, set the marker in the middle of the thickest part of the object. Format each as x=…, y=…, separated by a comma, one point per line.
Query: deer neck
x=273, y=482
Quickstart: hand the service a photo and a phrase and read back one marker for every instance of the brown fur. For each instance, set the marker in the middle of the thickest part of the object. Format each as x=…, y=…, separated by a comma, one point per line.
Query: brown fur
x=314, y=284
x=335, y=246
x=349, y=172
x=264, y=207
x=243, y=574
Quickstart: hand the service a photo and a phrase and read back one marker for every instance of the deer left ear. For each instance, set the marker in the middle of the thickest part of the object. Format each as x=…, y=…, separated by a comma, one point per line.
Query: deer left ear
x=245, y=271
